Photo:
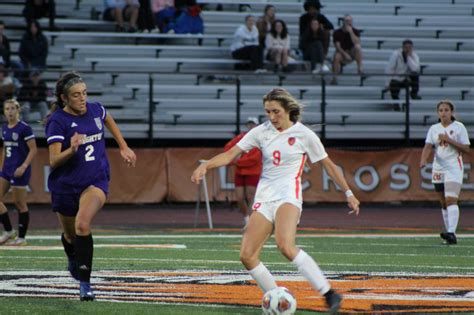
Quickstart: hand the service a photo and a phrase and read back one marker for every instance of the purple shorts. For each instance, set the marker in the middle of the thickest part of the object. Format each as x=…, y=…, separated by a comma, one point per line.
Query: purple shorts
x=68, y=204
x=17, y=181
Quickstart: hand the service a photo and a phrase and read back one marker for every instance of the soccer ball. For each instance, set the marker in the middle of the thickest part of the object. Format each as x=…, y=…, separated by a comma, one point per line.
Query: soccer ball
x=278, y=301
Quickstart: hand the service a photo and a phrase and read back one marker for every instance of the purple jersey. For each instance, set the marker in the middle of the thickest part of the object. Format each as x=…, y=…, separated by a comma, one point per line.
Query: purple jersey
x=16, y=149
x=89, y=165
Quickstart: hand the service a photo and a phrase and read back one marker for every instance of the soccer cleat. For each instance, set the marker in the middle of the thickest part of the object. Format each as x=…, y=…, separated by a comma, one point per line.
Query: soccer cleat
x=444, y=235
x=7, y=236
x=333, y=301
x=73, y=268
x=86, y=293
x=451, y=239
x=16, y=242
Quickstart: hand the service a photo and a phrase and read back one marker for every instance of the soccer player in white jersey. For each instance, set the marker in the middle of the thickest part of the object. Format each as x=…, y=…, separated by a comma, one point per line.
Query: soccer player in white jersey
x=450, y=139
x=285, y=144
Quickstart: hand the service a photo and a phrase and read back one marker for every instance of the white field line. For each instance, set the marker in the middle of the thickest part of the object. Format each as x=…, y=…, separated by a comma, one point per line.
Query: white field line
x=177, y=246
x=195, y=236
x=211, y=262
x=133, y=246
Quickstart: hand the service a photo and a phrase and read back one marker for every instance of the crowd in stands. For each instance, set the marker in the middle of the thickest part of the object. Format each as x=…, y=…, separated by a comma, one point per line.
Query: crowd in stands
x=265, y=43
x=175, y=16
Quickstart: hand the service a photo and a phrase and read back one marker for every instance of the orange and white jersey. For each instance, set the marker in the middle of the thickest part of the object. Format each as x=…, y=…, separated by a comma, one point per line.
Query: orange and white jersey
x=446, y=156
x=284, y=154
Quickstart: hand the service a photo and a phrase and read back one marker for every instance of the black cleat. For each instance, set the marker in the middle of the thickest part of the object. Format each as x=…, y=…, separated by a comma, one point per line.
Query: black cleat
x=444, y=235
x=85, y=291
x=451, y=239
x=333, y=301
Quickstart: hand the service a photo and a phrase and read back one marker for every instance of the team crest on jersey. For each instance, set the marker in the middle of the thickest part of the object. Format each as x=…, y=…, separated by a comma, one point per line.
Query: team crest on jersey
x=98, y=122
x=291, y=140
x=14, y=136
x=451, y=132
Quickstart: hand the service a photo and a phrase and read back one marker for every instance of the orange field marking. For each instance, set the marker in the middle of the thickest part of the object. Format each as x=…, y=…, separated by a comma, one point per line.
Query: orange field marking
x=363, y=293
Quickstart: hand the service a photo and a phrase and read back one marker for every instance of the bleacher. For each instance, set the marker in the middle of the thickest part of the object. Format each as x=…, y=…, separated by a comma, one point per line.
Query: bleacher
x=193, y=78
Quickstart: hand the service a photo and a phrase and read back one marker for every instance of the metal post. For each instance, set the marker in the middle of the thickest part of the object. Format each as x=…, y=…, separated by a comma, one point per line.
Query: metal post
x=203, y=184
x=323, y=108
x=151, y=106
x=237, y=106
x=407, y=111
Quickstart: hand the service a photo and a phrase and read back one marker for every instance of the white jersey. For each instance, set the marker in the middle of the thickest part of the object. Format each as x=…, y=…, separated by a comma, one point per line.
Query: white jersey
x=284, y=154
x=446, y=156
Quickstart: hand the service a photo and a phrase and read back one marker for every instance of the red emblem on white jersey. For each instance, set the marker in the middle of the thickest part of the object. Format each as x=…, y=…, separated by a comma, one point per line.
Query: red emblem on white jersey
x=256, y=206
x=291, y=140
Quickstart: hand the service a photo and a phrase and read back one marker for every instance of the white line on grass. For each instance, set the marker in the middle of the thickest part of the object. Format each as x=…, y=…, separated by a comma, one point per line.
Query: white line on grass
x=210, y=262
x=196, y=236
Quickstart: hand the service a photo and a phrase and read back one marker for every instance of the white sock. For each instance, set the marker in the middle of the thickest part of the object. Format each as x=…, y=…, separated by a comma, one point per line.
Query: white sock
x=453, y=215
x=445, y=218
x=311, y=271
x=263, y=277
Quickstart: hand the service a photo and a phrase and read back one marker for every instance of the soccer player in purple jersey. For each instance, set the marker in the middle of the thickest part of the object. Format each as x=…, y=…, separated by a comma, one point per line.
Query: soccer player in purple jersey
x=79, y=170
x=19, y=149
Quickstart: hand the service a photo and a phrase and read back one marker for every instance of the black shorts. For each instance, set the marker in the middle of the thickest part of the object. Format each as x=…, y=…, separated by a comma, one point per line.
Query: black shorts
x=439, y=187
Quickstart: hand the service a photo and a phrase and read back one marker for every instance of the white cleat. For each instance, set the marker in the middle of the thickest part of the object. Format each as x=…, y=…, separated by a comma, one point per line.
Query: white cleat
x=6, y=236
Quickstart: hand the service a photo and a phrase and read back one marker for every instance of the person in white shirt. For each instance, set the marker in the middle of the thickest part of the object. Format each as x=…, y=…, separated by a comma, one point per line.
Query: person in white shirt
x=451, y=140
x=285, y=144
x=245, y=45
x=404, y=66
x=277, y=45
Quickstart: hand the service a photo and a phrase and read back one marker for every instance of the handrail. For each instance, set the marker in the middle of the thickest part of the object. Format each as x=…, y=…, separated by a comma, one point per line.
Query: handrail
x=235, y=78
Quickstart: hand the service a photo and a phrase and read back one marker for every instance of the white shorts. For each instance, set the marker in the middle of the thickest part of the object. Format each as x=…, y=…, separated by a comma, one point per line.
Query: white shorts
x=269, y=208
x=452, y=175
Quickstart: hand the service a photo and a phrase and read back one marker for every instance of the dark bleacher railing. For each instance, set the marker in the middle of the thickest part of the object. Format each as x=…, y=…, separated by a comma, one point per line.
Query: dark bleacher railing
x=238, y=82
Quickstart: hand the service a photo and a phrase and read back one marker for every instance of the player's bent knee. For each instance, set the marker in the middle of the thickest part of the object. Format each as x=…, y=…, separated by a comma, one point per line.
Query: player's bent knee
x=83, y=227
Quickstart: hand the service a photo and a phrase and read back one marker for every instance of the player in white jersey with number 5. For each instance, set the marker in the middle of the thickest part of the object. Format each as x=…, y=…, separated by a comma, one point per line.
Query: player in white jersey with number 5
x=450, y=139
x=285, y=144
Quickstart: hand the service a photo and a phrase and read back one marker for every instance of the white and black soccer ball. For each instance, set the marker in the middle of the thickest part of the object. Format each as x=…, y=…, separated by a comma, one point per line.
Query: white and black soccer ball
x=278, y=301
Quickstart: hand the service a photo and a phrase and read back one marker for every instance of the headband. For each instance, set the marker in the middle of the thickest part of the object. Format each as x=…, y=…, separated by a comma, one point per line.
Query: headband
x=71, y=82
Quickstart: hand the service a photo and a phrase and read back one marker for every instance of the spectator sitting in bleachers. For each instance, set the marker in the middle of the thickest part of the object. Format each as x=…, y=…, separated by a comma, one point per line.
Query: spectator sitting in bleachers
x=146, y=20
x=121, y=11
x=163, y=11
x=33, y=49
x=347, y=43
x=189, y=20
x=5, y=51
x=7, y=84
x=33, y=96
x=313, y=10
x=36, y=9
x=404, y=66
x=264, y=23
x=277, y=45
x=311, y=44
x=245, y=45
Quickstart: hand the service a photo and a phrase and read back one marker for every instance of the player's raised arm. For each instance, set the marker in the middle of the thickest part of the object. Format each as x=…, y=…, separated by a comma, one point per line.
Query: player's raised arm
x=217, y=161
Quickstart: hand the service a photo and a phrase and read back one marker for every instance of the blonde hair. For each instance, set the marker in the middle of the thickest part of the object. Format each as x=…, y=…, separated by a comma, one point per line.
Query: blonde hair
x=14, y=102
x=287, y=101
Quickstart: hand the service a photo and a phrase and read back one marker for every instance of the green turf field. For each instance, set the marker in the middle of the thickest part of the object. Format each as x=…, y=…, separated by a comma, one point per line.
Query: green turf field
x=173, y=273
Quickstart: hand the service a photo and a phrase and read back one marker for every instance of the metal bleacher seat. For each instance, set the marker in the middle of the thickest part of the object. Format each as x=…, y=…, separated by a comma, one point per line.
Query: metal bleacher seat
x=187, y=105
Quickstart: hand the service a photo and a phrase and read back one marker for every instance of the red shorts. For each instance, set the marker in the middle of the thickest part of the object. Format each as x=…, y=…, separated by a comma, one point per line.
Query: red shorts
x=246, y=180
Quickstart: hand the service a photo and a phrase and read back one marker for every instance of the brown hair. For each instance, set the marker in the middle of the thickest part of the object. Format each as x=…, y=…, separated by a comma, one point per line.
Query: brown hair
x=287, y=101
x=62, y=85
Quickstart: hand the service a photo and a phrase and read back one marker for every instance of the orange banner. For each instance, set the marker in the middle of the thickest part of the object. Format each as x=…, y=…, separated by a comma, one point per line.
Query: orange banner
x=376, y=176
